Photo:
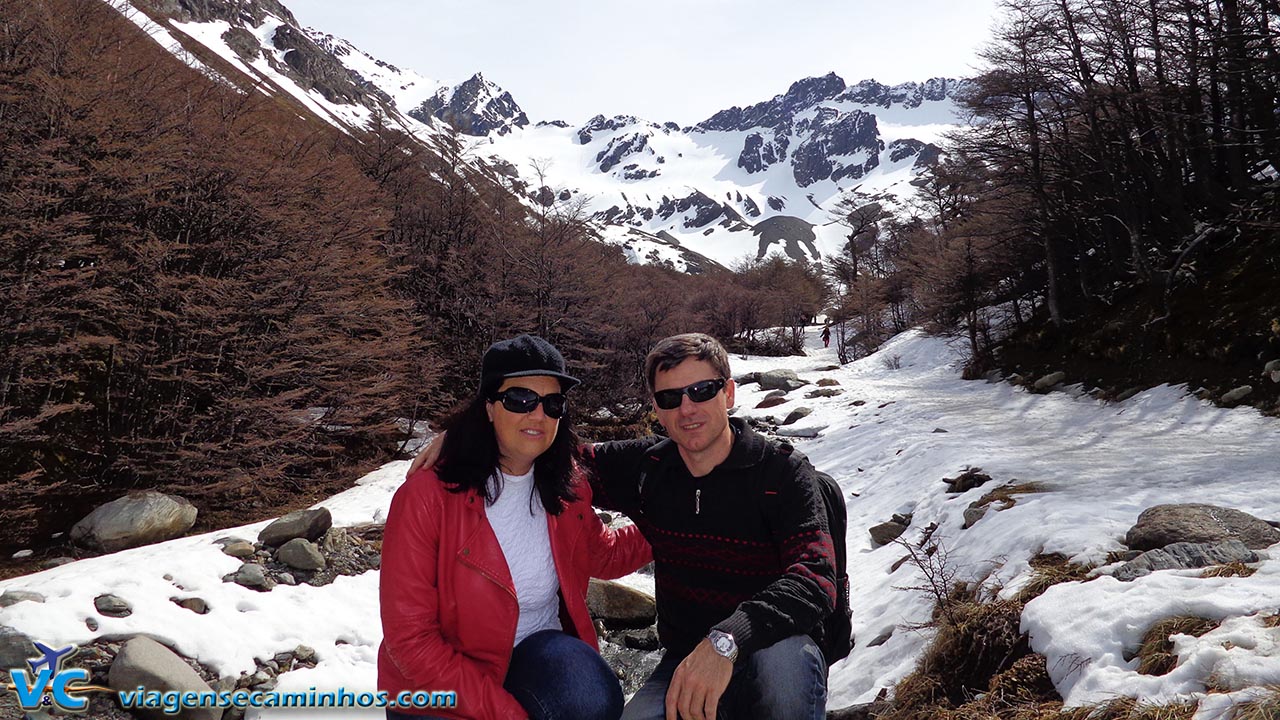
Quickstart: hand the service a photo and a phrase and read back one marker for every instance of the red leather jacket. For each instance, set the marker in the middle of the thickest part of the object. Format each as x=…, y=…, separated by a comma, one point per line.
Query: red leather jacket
x=449, y=606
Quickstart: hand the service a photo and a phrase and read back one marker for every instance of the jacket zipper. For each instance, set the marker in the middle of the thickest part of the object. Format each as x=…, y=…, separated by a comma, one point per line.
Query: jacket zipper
x=697, y=501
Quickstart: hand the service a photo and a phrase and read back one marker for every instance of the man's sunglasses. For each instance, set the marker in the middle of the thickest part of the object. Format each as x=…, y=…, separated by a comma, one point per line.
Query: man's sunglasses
x=524, y=400
x=698, y=392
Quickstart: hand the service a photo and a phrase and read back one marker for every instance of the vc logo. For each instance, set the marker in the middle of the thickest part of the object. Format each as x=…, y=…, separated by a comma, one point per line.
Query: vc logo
x=48, y=685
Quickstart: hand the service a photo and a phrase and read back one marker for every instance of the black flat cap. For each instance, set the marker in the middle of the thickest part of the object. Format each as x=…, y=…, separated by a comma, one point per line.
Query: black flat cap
x=522, y=356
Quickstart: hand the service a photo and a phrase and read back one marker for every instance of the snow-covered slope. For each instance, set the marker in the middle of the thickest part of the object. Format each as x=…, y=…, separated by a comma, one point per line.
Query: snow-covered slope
x=1100, y=464
x=743, y=183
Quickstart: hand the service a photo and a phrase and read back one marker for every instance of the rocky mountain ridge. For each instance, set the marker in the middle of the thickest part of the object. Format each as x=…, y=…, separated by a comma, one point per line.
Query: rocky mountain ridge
x=690, y=197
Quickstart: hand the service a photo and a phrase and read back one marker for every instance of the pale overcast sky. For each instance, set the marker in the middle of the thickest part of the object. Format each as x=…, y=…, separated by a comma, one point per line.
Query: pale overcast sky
x=680, y=60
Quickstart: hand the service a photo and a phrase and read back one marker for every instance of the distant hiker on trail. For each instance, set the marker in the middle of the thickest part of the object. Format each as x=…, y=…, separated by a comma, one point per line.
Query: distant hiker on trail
x=826, y=336
x=745, y=569
x=486, y=557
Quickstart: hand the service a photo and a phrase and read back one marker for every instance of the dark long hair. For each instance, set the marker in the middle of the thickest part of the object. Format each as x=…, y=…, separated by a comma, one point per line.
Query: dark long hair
x=469, y=458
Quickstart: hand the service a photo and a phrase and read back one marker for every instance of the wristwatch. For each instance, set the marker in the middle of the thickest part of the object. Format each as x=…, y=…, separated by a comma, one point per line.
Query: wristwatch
x=724, y=644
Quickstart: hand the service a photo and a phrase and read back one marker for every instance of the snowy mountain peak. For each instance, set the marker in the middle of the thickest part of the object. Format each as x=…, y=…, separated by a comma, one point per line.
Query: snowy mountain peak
x=475, y=107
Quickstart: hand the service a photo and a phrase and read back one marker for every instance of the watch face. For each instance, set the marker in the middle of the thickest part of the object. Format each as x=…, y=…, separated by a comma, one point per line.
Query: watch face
x=723, y=644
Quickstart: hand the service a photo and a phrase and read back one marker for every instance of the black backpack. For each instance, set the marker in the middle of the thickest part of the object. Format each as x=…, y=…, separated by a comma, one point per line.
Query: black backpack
x=837, y=628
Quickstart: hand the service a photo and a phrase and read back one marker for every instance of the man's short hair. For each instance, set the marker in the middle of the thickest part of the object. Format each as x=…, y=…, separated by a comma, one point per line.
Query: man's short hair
x=674, y=350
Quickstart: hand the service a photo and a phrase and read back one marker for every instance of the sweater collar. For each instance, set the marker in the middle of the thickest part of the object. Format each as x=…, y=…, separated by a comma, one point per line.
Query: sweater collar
x=748, y=446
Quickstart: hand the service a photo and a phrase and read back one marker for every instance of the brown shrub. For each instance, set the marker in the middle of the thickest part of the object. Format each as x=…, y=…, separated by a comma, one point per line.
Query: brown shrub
x=1156, y=653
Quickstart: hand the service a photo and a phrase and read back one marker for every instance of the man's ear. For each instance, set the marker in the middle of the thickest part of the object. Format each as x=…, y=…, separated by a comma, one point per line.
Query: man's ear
x=730, y=389
x=488, y=410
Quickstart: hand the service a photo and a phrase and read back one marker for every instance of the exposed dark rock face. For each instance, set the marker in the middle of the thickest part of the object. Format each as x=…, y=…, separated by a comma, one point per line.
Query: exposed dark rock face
x=476, y=107
x=312, y=66
x=802, y=94
x=235, y=12
x=600, y=122
x=621, y=147
x=911, y=95
x=757, y=154
x=708, y=210
x=834, y=134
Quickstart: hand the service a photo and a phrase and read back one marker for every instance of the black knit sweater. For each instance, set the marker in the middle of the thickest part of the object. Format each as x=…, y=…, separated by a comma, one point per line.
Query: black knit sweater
x=744, y=549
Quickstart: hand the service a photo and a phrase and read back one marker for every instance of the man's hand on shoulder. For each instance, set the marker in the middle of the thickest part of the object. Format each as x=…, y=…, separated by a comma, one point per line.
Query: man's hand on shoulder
x=698, y=683
x=428, y=455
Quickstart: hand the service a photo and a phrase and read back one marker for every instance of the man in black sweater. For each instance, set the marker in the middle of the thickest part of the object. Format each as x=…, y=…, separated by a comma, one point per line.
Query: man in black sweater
x=744, y=565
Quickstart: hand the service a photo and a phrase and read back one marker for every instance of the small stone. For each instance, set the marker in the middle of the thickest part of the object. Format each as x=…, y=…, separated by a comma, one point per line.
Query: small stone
x=1236, y=395
x=885, y=533
x=92, y=624
x=52, y=563
x=823, y=392
x=1048, y=381
x=237, y=548
x=1273, y=366
x=605, y=517
x=112, y=606
x=881, y=639
x=304, y=653
x=288, y=579
x=23, y=554
x=301, y=554
x=828, y=382
x=250, y=575
x=798, y=414
x=770, y=402
x=194, y=604
x=939, y=430
x=973, y=514
x=13, y=597
x=1126, y=394
x=308, y=524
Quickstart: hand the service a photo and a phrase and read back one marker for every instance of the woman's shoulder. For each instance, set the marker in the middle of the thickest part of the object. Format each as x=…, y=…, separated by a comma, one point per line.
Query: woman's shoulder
x=425, y=485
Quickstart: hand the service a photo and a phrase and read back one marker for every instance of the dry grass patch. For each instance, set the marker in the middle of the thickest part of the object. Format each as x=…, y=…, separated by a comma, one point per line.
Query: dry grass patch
x=1235, y=569
x=1156, y=653
x=1007, y=495
x=1265, y=709
x=1271, y=621
x=975, y=642
x=1051, y=569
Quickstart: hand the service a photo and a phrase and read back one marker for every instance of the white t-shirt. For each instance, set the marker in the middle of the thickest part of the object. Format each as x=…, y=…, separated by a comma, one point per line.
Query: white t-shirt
x=520, y=522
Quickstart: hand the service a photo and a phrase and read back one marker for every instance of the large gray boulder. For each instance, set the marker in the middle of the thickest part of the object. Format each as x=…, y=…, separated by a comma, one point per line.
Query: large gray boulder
x=134, y=520
x=143, y=661
x=301, y=554
x=309, y=524
x=885, y=533
x=1185, y=555
x=619, y=605
x=13, y=597
x=1163, y=525
x=781, y=380
x=15, y=649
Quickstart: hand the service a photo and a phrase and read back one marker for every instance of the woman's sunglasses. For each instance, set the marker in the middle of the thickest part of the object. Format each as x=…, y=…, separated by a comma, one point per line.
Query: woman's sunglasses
x=698, y=392
x=524, y=400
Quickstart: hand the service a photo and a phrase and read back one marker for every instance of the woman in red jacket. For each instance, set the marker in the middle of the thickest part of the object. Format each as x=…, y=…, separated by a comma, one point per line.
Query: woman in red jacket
x=486, y=557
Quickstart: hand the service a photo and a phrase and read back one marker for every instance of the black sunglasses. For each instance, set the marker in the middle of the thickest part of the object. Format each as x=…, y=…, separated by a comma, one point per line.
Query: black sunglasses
x=524, y=400
x=698, y=392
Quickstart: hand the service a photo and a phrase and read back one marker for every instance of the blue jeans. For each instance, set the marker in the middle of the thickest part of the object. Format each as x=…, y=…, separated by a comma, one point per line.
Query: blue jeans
x=555, y=676
x=785, y=681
